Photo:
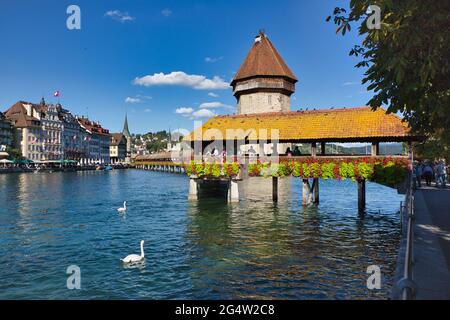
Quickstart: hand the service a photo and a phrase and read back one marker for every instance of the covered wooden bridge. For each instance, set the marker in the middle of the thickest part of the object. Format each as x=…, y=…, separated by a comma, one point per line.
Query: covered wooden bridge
x=255, y=139
x=167, y=161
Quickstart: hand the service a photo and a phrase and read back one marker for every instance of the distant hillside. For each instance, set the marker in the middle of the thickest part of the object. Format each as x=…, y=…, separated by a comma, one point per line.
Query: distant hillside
x=152, y=142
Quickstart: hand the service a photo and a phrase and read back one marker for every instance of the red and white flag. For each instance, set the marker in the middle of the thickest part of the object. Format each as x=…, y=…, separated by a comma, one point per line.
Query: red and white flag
x=56, y=93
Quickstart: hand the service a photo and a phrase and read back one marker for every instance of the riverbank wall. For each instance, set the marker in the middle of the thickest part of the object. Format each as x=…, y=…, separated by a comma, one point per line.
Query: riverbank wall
x=57, y=169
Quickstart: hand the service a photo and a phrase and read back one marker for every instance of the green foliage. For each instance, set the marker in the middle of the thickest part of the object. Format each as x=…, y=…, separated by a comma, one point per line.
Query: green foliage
x=14, y=153
x=213, y=170
x=365, y=170
x=347, y=170
x=406, y=60
x=296, y=169
x=388, y=171
x=328, y=170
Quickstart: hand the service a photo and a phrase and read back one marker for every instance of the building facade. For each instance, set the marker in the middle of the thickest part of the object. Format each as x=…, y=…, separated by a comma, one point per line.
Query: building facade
x=6, y=135
x=74, y=137
x=28, y=132
x=98, y=138
x=47, y=132
x=117, y=148
x=52, y=130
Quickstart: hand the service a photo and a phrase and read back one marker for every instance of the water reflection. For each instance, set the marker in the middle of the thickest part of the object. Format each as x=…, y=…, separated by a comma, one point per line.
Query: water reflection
x=207, y=249
x=265, y=250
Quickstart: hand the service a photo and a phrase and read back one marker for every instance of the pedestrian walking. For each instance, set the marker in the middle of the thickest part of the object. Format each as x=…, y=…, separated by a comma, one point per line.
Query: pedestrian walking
x=428, y=174
x=418, y=173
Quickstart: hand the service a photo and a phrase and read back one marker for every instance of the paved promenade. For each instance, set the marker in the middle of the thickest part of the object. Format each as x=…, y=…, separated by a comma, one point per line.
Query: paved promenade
x=431, y=270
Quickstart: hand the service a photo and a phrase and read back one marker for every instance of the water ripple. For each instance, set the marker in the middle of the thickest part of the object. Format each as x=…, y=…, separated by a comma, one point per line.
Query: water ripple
x=203, y=250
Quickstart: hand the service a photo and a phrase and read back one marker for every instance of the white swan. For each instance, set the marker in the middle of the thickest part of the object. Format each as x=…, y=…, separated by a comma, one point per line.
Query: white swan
x=124, y=208
x=134, y=257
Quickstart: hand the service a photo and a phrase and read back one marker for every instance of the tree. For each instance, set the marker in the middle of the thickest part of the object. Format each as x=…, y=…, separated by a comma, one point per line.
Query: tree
x=14, y=153
x=406, y=59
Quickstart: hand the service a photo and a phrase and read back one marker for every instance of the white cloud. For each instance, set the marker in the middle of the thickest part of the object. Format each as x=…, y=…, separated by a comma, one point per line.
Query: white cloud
x=166, y=12
x=212, y=105
x=184, y=111
x=350, y=83
x=140, y=96
x=179, y=78
x=147, y=110
x=132, y=100
x=119, y=15
x=212, y=60
x=212, y=94
x=203, y=113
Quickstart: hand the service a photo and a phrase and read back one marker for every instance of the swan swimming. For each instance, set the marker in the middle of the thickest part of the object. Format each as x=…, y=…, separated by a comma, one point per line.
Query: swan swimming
x=134, y=257
x=124, y=208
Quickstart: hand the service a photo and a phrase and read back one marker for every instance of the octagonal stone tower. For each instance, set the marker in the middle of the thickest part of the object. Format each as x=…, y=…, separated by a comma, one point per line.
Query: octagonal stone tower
x=264, y=82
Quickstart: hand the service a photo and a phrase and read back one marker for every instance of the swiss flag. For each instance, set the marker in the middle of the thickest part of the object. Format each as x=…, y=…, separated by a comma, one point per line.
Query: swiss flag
x=56, y=93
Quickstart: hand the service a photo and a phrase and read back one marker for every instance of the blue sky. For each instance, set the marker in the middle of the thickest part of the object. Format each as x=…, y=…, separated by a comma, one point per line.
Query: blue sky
x=96, y=68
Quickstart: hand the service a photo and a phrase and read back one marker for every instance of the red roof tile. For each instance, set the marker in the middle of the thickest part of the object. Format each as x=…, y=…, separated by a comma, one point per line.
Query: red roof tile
x=263, y=60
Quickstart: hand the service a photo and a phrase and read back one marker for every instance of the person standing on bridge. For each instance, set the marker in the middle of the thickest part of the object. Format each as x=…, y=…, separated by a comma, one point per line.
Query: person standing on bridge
x=418, y=172
x=440, y=174
x=428, y=174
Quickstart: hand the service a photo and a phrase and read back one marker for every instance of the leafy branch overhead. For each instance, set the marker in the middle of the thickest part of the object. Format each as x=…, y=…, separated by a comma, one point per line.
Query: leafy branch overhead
x=406, y=59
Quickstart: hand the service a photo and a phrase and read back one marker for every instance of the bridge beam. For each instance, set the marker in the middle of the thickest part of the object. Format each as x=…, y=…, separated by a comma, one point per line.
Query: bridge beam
x=316, y=190
x=305, y=192
x=322, y=148
x=193, y=189
x=233, y=191
x=275, y=189
x=313, y=149
x=361, y=196
x=375, y=149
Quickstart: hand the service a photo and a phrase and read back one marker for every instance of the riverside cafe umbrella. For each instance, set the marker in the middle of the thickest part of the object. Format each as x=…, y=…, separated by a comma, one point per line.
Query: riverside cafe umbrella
x=5, y=162
x=63, y=161
x=25, y=161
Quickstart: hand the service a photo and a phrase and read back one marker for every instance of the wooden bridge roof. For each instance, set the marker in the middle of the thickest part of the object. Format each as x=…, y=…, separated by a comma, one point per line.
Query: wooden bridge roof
x=155, y=156
x=360, y=124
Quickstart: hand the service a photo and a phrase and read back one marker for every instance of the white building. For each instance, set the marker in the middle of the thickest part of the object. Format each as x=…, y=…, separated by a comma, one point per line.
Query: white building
x=29, y=134
x=74, y=137
x=98, y=138
x=52, y=130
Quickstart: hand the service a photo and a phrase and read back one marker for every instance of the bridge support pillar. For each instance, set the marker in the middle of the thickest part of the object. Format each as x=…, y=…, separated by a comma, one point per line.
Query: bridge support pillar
x=361, y=196
x=193, y=189
x=316, y=190
x=233, y=191
x=310, y=193
x=305, y=192
x=275, y=189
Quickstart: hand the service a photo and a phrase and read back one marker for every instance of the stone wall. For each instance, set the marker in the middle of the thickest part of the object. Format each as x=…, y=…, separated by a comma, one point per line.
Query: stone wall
x=260, y=102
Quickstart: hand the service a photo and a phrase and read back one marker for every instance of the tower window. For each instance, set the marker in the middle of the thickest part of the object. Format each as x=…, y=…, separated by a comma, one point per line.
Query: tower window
x=270, y=100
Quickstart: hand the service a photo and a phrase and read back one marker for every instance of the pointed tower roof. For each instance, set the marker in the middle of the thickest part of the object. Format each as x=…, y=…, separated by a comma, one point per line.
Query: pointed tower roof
x=126, y=131
x=263, y=60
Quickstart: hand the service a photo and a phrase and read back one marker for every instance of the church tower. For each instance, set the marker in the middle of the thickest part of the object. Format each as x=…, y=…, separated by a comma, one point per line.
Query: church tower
x=126, y=133
x=264, y=82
